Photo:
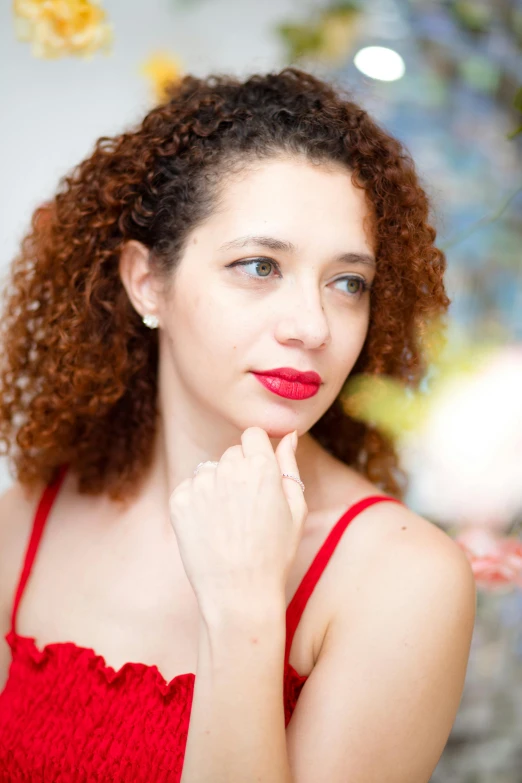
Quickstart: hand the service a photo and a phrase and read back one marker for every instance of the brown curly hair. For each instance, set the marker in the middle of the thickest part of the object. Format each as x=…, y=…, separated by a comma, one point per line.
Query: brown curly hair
x=78, y=380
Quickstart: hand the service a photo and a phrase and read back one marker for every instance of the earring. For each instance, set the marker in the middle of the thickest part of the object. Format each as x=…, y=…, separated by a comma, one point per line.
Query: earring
x=151, y=321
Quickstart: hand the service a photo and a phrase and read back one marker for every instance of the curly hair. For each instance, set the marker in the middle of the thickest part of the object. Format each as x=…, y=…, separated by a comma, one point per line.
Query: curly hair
x=78, y=377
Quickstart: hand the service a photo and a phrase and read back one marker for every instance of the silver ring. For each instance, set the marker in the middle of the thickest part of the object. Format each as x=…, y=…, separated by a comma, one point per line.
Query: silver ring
x=207, y=462
x=294, y=478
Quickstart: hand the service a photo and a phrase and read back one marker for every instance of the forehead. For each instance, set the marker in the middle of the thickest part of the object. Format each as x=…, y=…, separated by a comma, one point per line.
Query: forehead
x=303, y=202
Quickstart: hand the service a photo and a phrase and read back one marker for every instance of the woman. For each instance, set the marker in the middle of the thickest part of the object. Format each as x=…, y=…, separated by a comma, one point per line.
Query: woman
x=156, y=562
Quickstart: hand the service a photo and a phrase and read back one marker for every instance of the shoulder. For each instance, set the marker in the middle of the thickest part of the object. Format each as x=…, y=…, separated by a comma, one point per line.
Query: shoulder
x=17, y=509
x=403, y=611
x=389, y=553
x=397, y=562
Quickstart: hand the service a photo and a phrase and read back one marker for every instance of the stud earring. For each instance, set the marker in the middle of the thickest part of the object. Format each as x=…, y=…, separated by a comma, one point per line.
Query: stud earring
x=151, y=321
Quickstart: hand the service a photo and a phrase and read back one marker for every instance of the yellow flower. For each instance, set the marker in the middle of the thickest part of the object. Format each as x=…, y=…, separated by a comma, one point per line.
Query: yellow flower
x=57, y=28
x=327, y=38
x=161, y=69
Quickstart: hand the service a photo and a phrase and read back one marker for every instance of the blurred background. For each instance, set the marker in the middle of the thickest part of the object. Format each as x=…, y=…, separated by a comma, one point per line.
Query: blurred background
x=445, y=77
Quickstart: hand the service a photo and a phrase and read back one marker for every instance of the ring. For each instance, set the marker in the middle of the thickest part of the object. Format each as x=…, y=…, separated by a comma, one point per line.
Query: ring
x=283, y=475
x=207, y=462
x=294, y=478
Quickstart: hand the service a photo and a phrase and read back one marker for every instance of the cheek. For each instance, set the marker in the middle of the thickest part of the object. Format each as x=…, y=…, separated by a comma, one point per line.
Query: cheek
x=347, y=342
x=349, y=331
x=213, y=330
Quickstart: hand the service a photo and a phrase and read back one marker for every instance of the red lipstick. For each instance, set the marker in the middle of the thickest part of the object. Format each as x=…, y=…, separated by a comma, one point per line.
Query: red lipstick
x=290, y=383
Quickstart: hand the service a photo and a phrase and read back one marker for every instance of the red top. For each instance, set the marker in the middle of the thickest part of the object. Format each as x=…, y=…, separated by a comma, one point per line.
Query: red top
x=66, y=716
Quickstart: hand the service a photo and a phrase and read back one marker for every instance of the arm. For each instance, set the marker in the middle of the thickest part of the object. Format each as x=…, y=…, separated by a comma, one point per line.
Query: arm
x=237, y=724
x=381, y=700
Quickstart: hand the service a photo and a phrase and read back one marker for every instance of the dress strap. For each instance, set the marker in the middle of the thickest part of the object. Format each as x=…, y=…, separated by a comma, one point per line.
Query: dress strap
x=298, y=603
x=42, y=512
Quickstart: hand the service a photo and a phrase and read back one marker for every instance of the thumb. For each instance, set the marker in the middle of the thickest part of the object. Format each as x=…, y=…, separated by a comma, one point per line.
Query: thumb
x=285, y=456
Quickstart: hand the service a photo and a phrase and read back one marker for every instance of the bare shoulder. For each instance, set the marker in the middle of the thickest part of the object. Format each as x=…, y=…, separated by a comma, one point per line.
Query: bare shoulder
x=403, y=609
x=17, y=509
x=388, y=551
x=395, y=560
x=387, y=529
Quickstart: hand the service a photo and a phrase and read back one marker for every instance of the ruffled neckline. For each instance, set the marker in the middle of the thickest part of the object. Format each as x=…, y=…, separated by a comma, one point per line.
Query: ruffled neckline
x=95, y=661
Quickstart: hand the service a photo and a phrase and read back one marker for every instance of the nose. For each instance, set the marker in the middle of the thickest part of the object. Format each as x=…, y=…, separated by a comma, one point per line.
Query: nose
x=302, y=319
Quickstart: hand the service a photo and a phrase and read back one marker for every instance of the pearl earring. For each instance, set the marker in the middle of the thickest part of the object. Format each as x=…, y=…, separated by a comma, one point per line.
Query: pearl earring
x=151, y=321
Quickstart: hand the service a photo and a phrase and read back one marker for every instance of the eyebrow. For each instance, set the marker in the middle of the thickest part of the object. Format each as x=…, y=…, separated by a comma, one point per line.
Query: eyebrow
x=288, y=247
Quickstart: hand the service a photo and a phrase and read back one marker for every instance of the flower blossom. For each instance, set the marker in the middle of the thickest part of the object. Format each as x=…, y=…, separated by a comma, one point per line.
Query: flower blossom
x=57, y=28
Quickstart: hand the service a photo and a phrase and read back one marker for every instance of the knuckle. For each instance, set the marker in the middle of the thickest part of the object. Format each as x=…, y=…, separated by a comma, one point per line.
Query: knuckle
x=180, y=495
x=182, y=487
x=226, y=467
x=232, y=451
x=203, y=478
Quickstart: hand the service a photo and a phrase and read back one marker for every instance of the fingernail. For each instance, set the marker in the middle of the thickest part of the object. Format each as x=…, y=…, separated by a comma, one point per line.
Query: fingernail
x=294, y=439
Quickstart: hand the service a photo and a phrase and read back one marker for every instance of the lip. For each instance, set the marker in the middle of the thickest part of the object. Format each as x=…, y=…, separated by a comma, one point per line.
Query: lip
x=290, y=374
x=288, y=387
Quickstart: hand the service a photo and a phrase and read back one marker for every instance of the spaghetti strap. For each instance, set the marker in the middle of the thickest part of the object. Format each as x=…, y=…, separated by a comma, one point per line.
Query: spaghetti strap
x=298, y=603
x=42, y=512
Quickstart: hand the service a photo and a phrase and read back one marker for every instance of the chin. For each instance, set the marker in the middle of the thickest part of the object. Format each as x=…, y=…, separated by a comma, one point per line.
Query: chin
x=275, y=431
x=274, y=420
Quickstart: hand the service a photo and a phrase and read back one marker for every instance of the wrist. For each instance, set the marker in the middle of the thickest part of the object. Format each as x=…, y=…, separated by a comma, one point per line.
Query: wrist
x=243, y=641
x=268, y=610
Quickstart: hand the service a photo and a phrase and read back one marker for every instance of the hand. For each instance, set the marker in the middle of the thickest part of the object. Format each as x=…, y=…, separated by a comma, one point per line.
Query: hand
x=239, y=524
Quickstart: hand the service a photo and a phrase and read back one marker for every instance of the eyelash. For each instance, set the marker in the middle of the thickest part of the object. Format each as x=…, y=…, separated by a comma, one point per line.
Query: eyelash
x=365, y=286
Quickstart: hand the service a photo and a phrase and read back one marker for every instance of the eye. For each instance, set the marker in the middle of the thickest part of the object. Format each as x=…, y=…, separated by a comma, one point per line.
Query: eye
x=261, y=263
x=354, y=279
x=264, y=265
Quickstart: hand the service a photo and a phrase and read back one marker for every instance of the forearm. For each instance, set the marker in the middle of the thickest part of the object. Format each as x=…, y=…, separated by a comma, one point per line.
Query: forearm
x=237, y=725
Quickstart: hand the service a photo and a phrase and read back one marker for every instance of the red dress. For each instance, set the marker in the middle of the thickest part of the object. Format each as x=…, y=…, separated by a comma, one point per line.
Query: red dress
x=68, y=717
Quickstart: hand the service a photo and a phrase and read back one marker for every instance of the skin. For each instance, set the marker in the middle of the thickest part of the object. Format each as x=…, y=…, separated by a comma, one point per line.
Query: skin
x=233, y=323
x=238, y=319
x=369, y=630
x=391, y=619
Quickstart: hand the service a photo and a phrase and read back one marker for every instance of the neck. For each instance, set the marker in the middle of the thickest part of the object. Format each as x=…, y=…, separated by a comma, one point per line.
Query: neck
x=178, y=450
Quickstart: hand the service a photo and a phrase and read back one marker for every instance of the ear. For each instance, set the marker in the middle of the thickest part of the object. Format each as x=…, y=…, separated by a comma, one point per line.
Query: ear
x=137, y=278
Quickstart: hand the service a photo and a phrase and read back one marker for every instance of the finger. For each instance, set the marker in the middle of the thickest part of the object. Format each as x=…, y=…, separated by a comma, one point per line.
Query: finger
x=205, y=467
x=205, y=477
x=232, y=454
x=285, y=456
x=255, y=440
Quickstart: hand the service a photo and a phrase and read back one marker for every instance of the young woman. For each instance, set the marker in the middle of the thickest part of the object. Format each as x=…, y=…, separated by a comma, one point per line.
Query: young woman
x=183, y=596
